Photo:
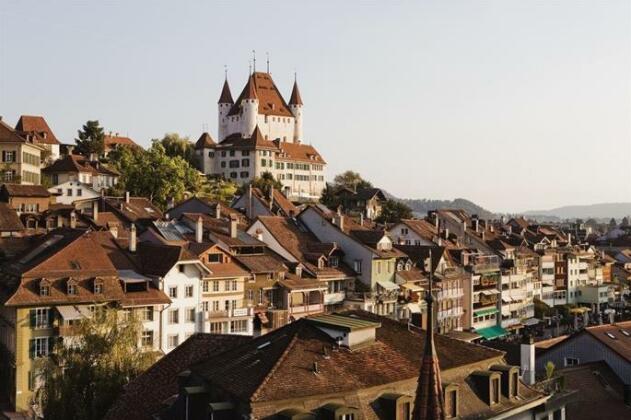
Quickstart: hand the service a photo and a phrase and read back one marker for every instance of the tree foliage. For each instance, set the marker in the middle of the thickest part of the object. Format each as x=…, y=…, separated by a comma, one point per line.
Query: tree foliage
x=265, y=183
x=351, y=180
x=90, y=139
x=613, y=223
x=82, y=380
x=174, y=146
x=217, y=189
x=153, y=174
x=393, y=211
x=624, y=222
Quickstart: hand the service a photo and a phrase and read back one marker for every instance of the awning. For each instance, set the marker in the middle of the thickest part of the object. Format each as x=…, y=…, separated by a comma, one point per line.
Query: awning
x=414, y=308
x=483, y=312
x=413, y=287
x=491, y=332
x=388, y=285
x=490, y=292
x=530, y=322
x=70, y=312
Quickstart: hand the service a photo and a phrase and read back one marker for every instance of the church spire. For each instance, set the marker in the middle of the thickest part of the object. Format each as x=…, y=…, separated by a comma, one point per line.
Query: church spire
x=250, y=89
x=429, y=403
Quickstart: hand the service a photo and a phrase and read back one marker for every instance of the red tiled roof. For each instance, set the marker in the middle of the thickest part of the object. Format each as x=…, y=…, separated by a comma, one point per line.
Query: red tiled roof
x=9, y=220
x=261, y=86
x=37, y=125
x=205, y=141
x=110, y=141
x=9, y=135
x=282, y=203
x=256, y=141
x=21, y=190
x=145, y=395
x=299, y=151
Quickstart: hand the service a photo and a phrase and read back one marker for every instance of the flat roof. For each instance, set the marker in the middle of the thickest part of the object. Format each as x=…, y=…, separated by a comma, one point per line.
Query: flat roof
x=344, y=322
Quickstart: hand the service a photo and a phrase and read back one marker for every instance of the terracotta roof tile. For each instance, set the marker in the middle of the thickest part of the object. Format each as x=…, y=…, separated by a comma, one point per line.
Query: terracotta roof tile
x=226, y=96
x=110, y=141
x=262, y=87
x=9, y=220
x=37, y=125
x=21, y=190
x=295, y=95
x=300, y=152
x=205, y=141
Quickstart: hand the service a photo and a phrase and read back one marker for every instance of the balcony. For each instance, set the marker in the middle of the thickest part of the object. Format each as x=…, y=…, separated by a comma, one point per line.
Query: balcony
x=306, y=309
x=449, y=313
x=232, y=313
x=450, y=294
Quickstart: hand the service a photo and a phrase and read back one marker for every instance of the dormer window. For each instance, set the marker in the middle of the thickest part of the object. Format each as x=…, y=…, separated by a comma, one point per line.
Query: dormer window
x=299, y=270
x=452, y=397
x=396, y=406
x=408, y=266
x=71, y=287
x=334, y=261
x=44, y=287
x=98, y=286
x=400, y=266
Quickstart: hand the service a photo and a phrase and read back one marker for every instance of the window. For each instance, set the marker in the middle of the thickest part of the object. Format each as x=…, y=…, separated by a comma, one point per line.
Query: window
x=41, y=318
x=173, y=340
x=226, y=286
x=215, y=286
x=190, y=315
x=239, y=326
x=571, y=361
x=182, y=268
x=147, y=313
x=211, y=154
x=226, y=305
x=233, y=174
x=174, y=316
x=215, y=258
x=215, y=305
x=44, y=290
x=249, y=295
x=232, y=153
x=216, y=327
x=245, y=153
x=69, y=192
x=205, y=306
x=79, y=192
x=357, y=266
x=8, y=156
x=244, y=174
x=147, y=338
x=72, y=289
x=334, y=261
x=495, y=390
x=245, y=162
x=98, y=287
x=223, y=164
x=235, y=285
x=404, y=231
x=188, y=292
x=173, y=292
x=205, y=286
x=223, y=153
x=347, y=417
x=40, y=347
x=233, y=164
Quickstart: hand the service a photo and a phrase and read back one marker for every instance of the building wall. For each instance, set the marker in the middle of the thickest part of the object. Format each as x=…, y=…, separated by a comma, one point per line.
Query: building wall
x=19, y=166
x=406, y=236
x=353, y=250
x=75, y=188
x=18, y=202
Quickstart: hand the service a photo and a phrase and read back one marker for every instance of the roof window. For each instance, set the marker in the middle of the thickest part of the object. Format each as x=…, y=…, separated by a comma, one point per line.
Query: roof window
x=610, y=335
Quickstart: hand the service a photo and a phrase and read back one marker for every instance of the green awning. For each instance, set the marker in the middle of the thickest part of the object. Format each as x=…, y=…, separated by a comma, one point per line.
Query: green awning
x=487, y=311
x=491, y=332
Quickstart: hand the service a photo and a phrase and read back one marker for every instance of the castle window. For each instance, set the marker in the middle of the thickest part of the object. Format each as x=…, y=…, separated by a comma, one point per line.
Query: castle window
x=232, y=153
x=211, y=154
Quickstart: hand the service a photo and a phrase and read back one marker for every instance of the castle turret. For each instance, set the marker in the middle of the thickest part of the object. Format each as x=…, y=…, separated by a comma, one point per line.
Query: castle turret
x=224, y=104
x=295, y=104
x=249, y=108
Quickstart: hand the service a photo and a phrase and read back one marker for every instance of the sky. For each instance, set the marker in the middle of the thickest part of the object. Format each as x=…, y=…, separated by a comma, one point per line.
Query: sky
x=515, y=105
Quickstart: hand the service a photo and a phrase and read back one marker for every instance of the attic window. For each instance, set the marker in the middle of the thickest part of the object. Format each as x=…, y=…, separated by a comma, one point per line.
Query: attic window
x=610, y=335
x=148, y=210
x=44, y=288
x=98, y=286
x=334, y=261
x=625, y=333
x=71, y=287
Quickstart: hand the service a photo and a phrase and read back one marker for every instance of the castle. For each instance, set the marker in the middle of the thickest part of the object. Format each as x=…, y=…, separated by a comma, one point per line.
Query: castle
x=260, y=132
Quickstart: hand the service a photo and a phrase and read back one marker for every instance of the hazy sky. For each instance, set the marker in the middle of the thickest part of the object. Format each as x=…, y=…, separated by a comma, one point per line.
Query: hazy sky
x=513, y=104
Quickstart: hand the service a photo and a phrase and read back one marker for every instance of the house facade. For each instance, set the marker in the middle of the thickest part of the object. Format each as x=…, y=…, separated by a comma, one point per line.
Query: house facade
x=20, y=156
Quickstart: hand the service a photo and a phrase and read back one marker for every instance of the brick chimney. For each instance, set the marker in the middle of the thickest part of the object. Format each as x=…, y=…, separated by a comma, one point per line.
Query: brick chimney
x=132, y=238
x=199, y=230
x=73, y=220
x=233, y=226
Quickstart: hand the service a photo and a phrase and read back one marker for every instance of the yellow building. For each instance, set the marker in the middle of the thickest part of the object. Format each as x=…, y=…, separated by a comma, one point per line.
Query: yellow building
x=20, y=156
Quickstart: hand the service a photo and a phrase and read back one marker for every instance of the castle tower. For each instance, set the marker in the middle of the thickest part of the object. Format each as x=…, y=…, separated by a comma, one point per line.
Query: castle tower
x=295, y=104
x=250, y=108
x=225, y=102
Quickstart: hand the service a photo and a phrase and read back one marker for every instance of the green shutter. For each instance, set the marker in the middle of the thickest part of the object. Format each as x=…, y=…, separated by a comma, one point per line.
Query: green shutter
x=32, y=317
x=31, y=348
x=51, y=344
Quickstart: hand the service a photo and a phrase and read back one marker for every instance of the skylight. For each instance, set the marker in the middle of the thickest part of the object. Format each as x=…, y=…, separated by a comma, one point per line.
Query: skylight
x=625, y=333
x=610, y=335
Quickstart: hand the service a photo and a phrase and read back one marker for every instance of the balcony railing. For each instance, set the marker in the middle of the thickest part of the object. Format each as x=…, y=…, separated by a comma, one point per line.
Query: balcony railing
x=450, y=313
x=302, y=309
x=231, y=313
x=449, y=294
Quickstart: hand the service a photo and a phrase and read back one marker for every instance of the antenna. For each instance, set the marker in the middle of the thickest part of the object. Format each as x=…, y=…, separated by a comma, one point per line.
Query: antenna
x=250, y=67
x=254, y=60
x=267, y=60
x=225, y=71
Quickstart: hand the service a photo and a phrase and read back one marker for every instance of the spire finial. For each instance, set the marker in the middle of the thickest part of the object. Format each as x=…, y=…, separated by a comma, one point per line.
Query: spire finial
x=267, y=60
x=225, y=71
x=254, y=60
x=250, y=67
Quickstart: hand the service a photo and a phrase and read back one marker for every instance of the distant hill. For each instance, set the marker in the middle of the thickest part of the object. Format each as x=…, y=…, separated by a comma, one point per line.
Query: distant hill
x=596, y=211
x=423, y=205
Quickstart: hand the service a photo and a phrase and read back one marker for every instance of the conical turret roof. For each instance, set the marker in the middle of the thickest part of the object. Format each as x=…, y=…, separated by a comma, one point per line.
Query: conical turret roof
x=250, y=89
x=226, y=96
x=205, y=141
x=295, y=95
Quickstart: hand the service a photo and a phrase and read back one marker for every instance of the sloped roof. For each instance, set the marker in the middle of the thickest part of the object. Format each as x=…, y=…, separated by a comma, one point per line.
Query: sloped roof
x=110, y=141
x=9, y=135
x=138, y=208
x=295, y=95
x=145, y=394
x=226, y=96
x=21, y=190
x=205, y=141
x=158, y=259
x=299, y=151
x=277, y=366
x=262, y=87
x=70, y=163
x=37, y=124
x=9, y=220
x=281, y=202
x=255, y=141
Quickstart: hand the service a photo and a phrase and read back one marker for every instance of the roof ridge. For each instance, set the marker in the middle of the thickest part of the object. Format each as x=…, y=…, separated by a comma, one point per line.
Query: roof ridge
x=299, y=326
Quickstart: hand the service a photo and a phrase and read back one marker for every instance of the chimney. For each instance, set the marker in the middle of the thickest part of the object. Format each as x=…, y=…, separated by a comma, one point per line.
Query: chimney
x=95, y=210
x=132, y=238
x=60, y=221
x=199, y=230
x=73, y=220
x=316, y=370
x=510, y=230
x=233, y=226
x=271, y=198
x=446, y=233
x=361, y=219
x=218, y=211
x=127, y=197
x=250, y=201
x=259, y=235
x=464, y=227
x=569, y=239
x=339, y=221
x=476, y=223
x=527, y=355
x=483, y=235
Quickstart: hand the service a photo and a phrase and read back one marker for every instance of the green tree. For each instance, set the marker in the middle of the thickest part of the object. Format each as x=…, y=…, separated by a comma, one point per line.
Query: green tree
x=90, y=139
x=612, y=223
x=329, y=197
x=351, y=180
x=265, y=183
x=217, y=189
x=393, y=211
x=153, y=174
x=549, y=370
x=82, y=381
x=624, y=222
x=174, y=146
